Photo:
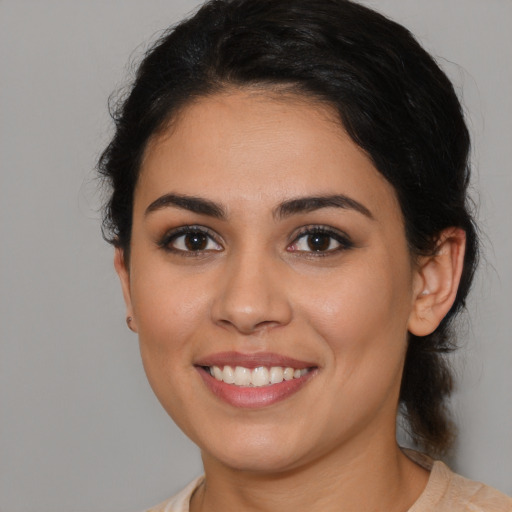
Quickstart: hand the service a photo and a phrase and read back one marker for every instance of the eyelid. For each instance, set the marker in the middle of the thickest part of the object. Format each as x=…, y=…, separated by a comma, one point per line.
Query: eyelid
x=175, y=233
x=340, y=237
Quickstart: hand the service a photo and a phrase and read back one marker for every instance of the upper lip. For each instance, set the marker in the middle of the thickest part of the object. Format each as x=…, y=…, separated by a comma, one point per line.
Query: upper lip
x=267, y=359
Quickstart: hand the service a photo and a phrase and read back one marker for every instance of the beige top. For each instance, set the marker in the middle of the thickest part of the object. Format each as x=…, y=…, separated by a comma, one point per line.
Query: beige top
x=445, y=492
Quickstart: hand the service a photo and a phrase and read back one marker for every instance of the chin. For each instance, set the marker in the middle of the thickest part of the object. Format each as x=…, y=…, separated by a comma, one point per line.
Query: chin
x=254, y=452
x=268, y=462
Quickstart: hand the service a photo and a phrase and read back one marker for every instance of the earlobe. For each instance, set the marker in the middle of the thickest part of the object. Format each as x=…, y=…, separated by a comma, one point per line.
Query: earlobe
x=436, y=282
x=124, y=278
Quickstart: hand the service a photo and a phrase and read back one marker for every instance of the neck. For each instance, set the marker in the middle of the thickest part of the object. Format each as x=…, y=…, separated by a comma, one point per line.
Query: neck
x=367, y=477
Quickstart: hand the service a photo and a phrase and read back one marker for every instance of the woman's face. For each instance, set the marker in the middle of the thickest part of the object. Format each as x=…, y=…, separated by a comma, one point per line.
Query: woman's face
x=265, y=239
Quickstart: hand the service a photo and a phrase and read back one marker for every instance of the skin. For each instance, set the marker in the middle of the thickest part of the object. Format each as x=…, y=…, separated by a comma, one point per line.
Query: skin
x=258, y=287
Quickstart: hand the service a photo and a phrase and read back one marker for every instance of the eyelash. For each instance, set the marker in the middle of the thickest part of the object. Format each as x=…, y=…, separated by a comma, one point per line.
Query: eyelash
x=175, y=234
x=169, y=238
x=342, y=239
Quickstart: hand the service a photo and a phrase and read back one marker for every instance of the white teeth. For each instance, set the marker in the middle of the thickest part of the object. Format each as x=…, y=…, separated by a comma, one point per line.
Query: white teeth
x=288, y=373
x=228, y=375
x=276, y=375
x=257, y=377
x=260, y=376
x=242, y=376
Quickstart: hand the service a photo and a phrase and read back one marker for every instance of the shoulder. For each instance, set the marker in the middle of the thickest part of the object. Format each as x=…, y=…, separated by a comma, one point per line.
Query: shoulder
x=448, y=492
x=476, y=496
x=179, y=502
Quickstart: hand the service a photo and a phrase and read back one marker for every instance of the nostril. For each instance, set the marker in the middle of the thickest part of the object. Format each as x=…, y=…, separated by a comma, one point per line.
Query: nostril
x=250, y=298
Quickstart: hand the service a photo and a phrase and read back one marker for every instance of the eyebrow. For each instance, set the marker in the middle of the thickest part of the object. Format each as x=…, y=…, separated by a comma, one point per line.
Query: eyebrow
x=286, y=209
x=190, y=203
x=309, y=204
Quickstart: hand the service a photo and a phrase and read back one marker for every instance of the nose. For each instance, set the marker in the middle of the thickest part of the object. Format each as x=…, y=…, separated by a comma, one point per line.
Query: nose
x=252, y=295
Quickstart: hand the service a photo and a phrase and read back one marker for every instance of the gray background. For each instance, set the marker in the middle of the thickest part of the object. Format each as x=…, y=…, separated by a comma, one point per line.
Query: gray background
x=80, y=429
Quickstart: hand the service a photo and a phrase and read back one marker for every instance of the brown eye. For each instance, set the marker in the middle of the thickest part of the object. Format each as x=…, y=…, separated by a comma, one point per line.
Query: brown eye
x=195, y=241
x=190, y=239
x=319, y=242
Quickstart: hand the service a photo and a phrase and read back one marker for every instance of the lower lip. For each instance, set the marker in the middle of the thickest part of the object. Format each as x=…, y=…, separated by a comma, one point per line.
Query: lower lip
x=253, y=397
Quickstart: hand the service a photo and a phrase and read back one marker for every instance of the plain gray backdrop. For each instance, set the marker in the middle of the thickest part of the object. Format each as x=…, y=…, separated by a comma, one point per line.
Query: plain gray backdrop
x=79, y=427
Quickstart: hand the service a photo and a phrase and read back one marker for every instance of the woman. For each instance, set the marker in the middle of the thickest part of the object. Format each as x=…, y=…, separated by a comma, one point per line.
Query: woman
x=293, y=240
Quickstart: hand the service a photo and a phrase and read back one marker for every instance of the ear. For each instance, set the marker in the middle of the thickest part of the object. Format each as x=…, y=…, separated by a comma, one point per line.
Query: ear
x=124, y=277
x=436, y=282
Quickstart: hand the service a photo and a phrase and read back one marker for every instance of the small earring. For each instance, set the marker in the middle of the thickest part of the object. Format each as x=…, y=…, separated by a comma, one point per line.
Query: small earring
x=128, y=323
x=425, y=292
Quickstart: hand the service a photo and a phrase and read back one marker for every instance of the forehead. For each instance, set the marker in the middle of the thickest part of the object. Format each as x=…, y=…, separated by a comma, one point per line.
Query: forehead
x=254, y=146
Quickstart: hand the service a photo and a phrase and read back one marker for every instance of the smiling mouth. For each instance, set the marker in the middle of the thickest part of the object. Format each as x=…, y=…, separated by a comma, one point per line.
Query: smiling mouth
x=255, y=380
x=255, y=377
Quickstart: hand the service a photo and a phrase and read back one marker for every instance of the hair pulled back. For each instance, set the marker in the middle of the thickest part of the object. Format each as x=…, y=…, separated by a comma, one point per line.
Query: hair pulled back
x=392, y=98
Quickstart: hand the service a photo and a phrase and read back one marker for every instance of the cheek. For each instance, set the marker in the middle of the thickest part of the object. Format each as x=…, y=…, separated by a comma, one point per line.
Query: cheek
x=362, y=316
x=169, y=312
x=165, y=306
x=168, y=317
